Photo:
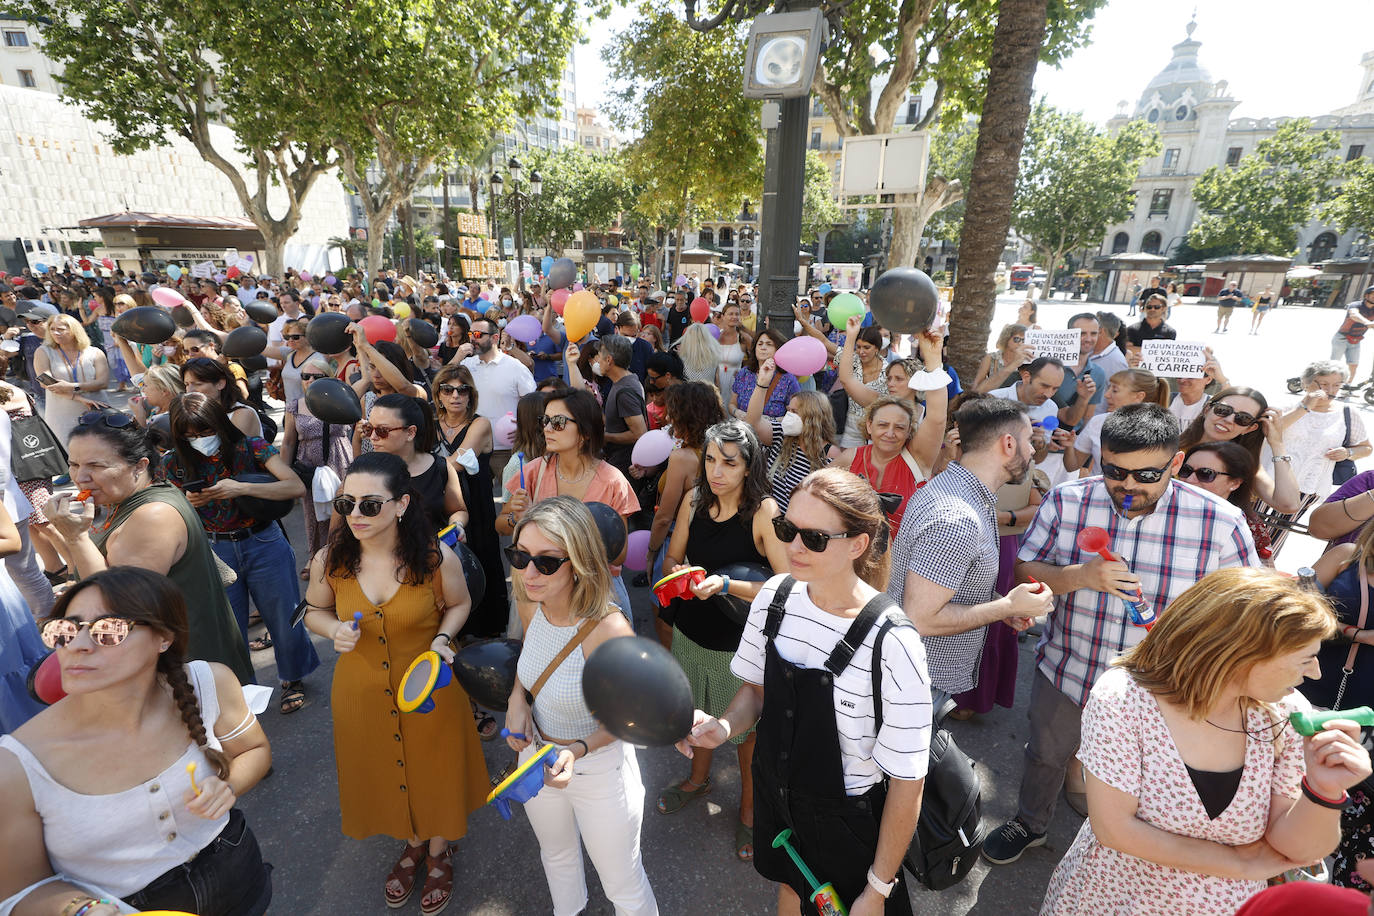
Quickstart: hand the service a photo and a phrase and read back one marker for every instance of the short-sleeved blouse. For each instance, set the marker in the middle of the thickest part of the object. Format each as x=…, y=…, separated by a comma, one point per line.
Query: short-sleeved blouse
x=746, y=385
x=221, y=515
x=1126, y=744
x=607, y=486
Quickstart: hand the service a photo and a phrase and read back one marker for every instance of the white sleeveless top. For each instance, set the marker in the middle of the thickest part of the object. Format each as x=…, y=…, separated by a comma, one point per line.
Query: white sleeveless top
x=560, y=711
x=121, y=842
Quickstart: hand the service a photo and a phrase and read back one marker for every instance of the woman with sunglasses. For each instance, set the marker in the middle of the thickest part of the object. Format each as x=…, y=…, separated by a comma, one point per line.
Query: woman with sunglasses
x=79, y=369
x=727, y=518
x=101, y=814
x=384, y=563
x=404, y=426
x=1242, y=415
x=209, y=376
x=207, y=463
x=1227, y=469
x=297, y=351
x=465, y=438
x=384, y=369
x=311, y=443
x=854, y=796
x=593, y=793
x=148, y=523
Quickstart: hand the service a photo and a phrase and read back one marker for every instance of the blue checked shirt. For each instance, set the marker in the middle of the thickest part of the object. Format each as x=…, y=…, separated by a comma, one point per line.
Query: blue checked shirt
x=1189, y=534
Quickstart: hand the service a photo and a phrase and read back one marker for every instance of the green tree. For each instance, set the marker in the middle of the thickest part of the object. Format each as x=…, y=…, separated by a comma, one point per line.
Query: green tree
x=582, y=190
x=1258, y=206
x=698, y=152
x=951, y=159
x=157, y=68
x=820, y=212
x=1075, y=181
x=1353, y=207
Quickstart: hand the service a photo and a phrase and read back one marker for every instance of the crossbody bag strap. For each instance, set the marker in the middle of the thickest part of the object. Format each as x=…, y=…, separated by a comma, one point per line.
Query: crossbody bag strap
x=877, y=669
x=775, y=608
x=583, y=631
x=1345, y=442
x=1349, y=667
x=844, y=650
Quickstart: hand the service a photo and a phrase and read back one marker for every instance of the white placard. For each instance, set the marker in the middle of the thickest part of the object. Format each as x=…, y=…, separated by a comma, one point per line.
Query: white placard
x=244, y=264
x=1061, y=345
x=1173, y=358
x=204, y=269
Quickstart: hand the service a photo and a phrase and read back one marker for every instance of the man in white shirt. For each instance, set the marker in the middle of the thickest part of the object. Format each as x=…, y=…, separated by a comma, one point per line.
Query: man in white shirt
x=1187, y=405
x=501, y=380
x=1040, y=379
x=1107, y=356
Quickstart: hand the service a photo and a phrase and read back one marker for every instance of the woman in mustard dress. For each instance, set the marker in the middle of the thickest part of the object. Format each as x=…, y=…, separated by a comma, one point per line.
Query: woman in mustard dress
x=421, y=786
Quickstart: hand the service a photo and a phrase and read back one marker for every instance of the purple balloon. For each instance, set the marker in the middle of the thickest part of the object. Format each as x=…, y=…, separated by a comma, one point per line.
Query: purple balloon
x=652, y=449
x=637, y=550
x=525, y=328
x=681, y=280
x=713, y=330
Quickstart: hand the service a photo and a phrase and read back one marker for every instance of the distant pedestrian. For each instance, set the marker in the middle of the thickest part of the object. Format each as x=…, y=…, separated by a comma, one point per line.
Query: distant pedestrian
x=1263, y=302
x=1227, y=300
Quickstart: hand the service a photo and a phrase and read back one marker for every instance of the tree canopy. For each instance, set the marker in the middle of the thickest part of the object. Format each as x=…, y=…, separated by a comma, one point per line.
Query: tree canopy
x=1353, y=207
x=581, y=190
x=819, y=209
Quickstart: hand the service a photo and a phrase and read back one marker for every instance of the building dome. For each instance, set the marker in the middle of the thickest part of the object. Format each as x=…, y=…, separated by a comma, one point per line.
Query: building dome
x=1183, y=82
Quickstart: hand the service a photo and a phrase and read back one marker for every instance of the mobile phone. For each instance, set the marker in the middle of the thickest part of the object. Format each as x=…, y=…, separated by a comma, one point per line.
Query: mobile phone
x=47, y=378
x=194, y=486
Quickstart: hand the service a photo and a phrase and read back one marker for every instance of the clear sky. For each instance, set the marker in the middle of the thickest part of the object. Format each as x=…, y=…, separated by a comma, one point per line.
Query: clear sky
x=1277, y=61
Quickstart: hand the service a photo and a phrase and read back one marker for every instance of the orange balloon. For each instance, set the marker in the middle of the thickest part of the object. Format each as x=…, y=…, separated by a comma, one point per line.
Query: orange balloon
x=580, y=314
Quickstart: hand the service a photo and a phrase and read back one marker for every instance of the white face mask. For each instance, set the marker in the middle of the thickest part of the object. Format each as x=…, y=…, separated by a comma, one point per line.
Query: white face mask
x=596, y=369
x=886, y=341
x=501, y=322
x=206, y=445
x=671, y=301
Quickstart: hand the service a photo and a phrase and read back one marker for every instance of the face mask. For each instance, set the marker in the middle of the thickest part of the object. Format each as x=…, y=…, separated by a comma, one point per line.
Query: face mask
x=169, y=351
x=886, y=341
x=501, y=322
x=206, y=445
x=505, y=303
x=671, y=301
x=596, y=370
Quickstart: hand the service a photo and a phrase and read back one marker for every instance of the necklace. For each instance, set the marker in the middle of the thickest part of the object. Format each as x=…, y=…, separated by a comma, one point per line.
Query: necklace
x=1271, y=738
x=558, y=469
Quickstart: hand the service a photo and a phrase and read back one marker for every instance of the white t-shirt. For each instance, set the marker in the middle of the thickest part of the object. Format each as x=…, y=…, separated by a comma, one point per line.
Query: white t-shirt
x=807, y=637
x=1186, y=413
x=1090, y=441
x=500, y=384
x=1311, y=436
x=1047, y=409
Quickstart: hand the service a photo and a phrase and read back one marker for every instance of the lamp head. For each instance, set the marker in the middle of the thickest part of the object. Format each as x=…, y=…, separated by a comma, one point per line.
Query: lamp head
x=515, y=169
x=536, y=183
x=782, y=52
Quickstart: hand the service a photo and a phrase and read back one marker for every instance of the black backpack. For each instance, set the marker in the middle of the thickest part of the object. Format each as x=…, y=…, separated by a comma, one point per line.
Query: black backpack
x=949, y=833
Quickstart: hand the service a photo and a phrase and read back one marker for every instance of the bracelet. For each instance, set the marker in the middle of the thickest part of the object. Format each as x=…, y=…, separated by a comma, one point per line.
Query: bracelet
x=1012, y=513
x=725, y=586
x=585, y=750
x=881, y=887
x=1334, y=804
x=1288, y=459
x=760, y=386
x=91, y=904
x=82, y=902
x=1346, y=509
x=447, y=638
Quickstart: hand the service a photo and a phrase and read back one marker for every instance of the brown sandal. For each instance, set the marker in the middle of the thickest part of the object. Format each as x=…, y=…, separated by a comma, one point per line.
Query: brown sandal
x=440, y=883
x=404, y=875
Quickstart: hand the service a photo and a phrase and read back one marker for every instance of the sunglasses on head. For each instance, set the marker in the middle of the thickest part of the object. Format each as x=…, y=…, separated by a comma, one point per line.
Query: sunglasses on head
x=813, y=540
x=557, y=422
x=1226, y=410
x=455, y=389
x=106, y=632
x=112, y=419
x=369, y=506
x=1141, y=475
x=368, y=430
x=547, y=566
x=1206, y=475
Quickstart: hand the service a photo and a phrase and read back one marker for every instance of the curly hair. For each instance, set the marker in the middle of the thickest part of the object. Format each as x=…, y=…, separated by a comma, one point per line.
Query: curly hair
x=692, y=408
x=417, y=549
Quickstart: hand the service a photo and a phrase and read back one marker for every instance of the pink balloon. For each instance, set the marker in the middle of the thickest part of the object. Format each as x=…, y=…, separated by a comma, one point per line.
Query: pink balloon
x=801, y=356
x=377, y=328
x=167, y=297
x=578, y=287
x=484, y=295
x=305, y=275
x=637, y=550
x=653, y=448
x=503, y=430
x=559, y=298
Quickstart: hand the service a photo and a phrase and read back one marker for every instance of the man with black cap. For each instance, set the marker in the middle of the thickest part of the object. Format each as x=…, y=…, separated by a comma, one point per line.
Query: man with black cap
x=1359, y=315
x=35, y=315
x=679, y=317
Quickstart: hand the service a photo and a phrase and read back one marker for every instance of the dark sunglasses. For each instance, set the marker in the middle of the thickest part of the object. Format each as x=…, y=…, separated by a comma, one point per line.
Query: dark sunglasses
x=547, y=566
x=1206, y=475
x=1153, y=308
x=478, y=335
x=1141, y=475
x=368, y=429
x=813, y=540
x=312, y=376
x=1226, y=410
x=557, y=422
x=293, y=337
x=455, y=389
x=369, y=506
x=112, y=419
x=106, y=632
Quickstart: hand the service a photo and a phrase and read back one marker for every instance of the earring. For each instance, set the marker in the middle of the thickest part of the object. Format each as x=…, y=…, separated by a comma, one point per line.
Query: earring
x=166, y=646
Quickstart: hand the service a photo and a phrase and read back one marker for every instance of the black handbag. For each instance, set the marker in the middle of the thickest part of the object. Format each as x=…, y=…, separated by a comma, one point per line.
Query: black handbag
x=35, y=452
x=1345, y=468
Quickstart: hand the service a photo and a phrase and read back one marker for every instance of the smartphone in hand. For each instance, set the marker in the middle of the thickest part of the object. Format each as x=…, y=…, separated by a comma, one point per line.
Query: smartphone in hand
x=46, y=379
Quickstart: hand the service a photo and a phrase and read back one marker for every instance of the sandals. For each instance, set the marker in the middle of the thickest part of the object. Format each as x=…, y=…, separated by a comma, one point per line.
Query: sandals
x=292, y=697
x=487, y=727
x=262, y=642
x=744, y=842
x=58, y=577
x=440, y=883
x=404, y=875
x=674, y=798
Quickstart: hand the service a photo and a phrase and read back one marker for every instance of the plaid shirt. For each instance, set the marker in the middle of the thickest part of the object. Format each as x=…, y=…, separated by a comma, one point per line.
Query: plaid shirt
x=1189, y=534
x=949, y=536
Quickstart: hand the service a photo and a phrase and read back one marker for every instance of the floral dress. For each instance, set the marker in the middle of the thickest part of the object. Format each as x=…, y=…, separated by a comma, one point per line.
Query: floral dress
x=1127, y=745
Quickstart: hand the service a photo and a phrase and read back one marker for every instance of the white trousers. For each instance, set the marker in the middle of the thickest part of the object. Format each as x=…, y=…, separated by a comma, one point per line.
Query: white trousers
x=603, y=808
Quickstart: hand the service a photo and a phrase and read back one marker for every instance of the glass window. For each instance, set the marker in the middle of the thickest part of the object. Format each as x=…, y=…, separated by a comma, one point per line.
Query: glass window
x=913, y=110
x=15, y=39
x=1233, y=157
x=1153, y=116
x=816, y=139
x=1150, y=244
x=1120, y=243
x=26, y=79
x=1171, y=157
x=1355, y=152
x=1160, y=200
x=1181, y=113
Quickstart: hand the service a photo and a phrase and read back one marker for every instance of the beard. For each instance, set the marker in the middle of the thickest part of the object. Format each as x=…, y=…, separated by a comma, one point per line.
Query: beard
x=1017, y=469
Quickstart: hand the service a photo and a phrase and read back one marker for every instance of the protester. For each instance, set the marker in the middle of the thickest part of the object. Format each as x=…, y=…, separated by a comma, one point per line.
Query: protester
x=802, y=440
x=94, y=791
x=1359, y=315
x=702, y=356
x=624, y=405
x=403, y=426
x=1000, y=366
x=1243, y=415
x=776, y=392
x=38, y=564
x=887, y=462
x=386, y=548
x=1130, y=386
x=1321, y=439
x=1107, y=354
x=1227, y=470
x=1169, y=537
x=1347, y=672
x=860, y=366
x=296, y=351
x=207, y=376
x=1198, y=790
x=1192, y=392
x=158, y=386
x=79, y=370
x=1084, y=383
x=312, y=444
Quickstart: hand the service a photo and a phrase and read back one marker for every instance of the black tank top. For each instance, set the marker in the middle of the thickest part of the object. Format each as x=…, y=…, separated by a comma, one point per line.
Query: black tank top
x=429, y=488
x=711, y=545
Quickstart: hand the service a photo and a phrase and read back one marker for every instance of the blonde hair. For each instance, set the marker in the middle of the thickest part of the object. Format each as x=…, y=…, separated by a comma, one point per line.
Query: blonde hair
x=79, y=334
x=166, y=377
x=818, y=432
x=569, y=524
x=700, y=351
x=1008, y=331
x=1221, y=627
x=1143, y=381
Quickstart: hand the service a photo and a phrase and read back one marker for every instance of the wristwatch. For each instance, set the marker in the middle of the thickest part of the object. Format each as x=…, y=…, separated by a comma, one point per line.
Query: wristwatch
x=1288, y=458
x=884, y=890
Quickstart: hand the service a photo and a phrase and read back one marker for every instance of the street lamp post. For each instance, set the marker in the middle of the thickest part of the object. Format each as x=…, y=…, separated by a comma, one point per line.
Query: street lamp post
x=518, y=200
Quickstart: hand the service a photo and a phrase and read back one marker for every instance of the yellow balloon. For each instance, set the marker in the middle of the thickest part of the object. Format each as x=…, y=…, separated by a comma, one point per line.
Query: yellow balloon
x=612, y=300
x=580, y=314
x=401, y=310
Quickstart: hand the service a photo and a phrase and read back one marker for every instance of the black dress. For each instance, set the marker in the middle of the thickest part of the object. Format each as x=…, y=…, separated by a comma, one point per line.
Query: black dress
x=488, y=617
x=429, y=488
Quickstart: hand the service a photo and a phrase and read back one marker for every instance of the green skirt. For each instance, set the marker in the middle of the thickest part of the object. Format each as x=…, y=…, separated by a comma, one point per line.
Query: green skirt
x=708, y=671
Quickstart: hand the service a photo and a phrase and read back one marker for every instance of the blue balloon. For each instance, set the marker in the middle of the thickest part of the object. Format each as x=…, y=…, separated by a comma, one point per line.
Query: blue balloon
x=545, y=264
x=824, y=288
x=41, y=267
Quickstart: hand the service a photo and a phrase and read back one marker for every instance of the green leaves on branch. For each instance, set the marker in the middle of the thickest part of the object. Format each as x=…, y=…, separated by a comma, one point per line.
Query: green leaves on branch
x=819, y=209
x=1353, y=208
x=582, y=190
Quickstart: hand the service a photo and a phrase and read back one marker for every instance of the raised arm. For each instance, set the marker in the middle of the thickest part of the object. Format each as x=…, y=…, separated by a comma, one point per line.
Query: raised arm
x=930, y=435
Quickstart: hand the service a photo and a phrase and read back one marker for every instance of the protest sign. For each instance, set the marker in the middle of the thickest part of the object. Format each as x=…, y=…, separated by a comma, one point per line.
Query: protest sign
x=1173, y=358
x=1061, y=345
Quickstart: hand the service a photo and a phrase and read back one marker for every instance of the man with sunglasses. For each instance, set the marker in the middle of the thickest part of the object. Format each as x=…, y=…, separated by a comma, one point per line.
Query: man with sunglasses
x=35, y=316
x=945, y=558
x=1171, y=536
x=1152, y=325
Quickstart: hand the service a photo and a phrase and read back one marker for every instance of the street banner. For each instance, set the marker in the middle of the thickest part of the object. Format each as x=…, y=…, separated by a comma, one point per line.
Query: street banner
x=1060, y=345
x=1173, y=358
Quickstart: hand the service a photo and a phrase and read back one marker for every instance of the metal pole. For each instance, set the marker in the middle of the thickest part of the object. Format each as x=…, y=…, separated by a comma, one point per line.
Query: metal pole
x=443, y=231
x=519, y=200
x=500, y=249
x=781, y=212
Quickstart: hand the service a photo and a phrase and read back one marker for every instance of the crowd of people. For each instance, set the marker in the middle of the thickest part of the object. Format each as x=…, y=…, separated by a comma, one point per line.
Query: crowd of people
x=872, y=539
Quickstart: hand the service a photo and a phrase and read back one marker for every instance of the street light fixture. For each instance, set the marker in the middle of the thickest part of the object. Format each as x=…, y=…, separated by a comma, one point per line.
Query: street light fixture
x=781, y=56
x=518, y=201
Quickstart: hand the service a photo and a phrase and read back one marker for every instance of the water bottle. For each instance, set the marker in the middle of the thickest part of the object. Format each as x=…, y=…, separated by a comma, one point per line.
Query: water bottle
x=1307, y=579
x=1142, y=615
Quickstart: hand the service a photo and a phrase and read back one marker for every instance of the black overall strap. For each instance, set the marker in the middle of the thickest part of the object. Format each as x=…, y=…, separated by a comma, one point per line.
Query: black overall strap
x=844, y=650
x=878, y=668
x=775, y=608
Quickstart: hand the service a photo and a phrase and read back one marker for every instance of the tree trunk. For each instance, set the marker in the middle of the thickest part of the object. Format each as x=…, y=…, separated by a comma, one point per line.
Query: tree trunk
x=914, y=212
x=408, y=222
x=275, y=235
x=1001, y=134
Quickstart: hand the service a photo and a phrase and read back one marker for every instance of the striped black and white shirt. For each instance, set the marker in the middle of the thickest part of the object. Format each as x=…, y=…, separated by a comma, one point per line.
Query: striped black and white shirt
x=807, y=637
x=785, y=480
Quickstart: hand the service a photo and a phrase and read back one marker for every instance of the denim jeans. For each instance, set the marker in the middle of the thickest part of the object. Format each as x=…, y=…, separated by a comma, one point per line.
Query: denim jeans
x=266, y=567
x=227, y=878
x=27, y=573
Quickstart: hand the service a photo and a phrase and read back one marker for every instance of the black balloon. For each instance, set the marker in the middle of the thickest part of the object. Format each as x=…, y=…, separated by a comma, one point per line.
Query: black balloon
x=333, y=402
x=243, y=342
x=422, y=332
x=181, y=314
x=638, y=691
x=562, y=273
x=145, y=324
x=486, y=670
x=160, y=427
x=472, y=571
x=612, y=528
x=737, y=609
x=261, y=311
x=7, y=316
x=253, y=363
x=904, y=300
x=328, y=332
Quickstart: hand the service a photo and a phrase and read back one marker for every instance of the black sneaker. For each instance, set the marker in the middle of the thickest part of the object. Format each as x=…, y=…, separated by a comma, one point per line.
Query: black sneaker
x=1006, y=844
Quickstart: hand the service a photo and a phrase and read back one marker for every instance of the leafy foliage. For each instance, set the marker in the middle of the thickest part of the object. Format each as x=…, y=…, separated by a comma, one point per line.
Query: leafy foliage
x=581, y=190
x=819, y=209
x=951, y=155
x=1353, y=207
x=1258, y=206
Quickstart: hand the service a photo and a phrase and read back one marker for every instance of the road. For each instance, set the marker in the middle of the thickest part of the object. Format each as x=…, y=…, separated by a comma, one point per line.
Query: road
x=689, y=855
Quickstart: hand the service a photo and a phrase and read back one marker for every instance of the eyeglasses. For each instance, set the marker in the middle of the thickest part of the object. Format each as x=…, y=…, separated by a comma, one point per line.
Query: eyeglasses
x=1206, y=475
x=293, y=337
x=653, y=379
x=1018, y=340
x=370, y=430
x=112, y=419
x=1141, y=475
x=557, y=422
x=455, y=389
x=478, y=335
x=547, y=566
x=312, y=376
x=195, y=348
x=1154, y=308
x=106, y=632
x=369, y=506
x=813, y=540
x=1226, y=410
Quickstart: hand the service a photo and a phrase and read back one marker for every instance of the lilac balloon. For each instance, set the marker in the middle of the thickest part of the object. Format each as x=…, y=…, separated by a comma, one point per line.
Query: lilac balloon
x=525, y=328
x=653, y=448
x=681, y=280
x=801, y=356
x=713, y=330
x=578, y=287
x=503, y=430
x=637, y=550
x=331, y=279
x=305, y=275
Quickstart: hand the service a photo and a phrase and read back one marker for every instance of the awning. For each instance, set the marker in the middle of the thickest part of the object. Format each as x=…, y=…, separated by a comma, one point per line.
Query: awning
x=1303, y=273
x=138, y=219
